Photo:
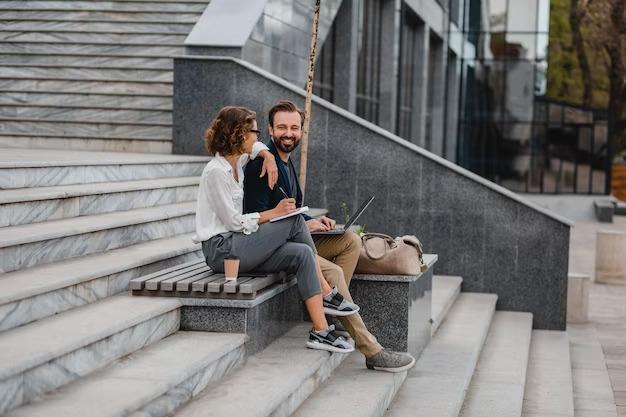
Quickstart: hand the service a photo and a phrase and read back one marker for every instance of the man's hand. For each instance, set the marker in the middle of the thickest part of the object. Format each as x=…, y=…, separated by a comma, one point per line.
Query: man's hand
x=328, y=222
x=316, y=226
x=269, y=167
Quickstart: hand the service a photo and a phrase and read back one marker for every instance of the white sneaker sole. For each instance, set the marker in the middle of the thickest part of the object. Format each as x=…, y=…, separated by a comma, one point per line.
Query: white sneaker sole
x=337, y=313
x=324, y=346
x=394, y=370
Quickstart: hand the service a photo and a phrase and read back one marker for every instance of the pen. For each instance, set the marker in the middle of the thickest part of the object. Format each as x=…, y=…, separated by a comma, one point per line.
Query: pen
x=283, y=191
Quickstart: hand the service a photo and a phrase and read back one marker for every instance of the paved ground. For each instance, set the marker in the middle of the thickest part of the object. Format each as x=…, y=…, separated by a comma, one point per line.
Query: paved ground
x=607, y=305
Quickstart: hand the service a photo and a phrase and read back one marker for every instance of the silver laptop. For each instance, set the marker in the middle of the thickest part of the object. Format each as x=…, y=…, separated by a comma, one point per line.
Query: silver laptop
x=340, y=230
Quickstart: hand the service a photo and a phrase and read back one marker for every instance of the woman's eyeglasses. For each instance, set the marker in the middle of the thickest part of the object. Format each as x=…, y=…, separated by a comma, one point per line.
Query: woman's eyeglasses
x=257, y=132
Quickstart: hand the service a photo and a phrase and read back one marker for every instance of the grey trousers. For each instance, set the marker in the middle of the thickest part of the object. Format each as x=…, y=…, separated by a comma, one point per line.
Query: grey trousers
x=285, y=245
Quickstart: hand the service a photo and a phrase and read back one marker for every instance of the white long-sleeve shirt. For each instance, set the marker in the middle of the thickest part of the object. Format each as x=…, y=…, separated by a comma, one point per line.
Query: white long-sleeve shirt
x=220, y=199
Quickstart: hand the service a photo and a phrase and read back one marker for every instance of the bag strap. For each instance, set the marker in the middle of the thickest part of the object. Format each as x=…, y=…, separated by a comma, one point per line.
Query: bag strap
x=388, y=239
x=414, y=241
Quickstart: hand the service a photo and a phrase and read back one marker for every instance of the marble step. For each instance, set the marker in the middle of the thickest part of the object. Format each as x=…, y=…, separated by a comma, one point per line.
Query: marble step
x=61, y=113
x=353, y=391
x=90, y=49
x=437, y=384
x=592, y=388
x=46, y=290
x=61, y=72
x=23, y=168
x=86, y=100
x=101, y=61
x=162, y=39
x=446, y=289
x=91, y=128
x=497, y=387
x=85, y=86
x=97, y=27
x=79, y=143
x=274, y=382
x=188, y=6
x=29, y=245
x=33, y=205
x=148, y=382
x=116, y=16
x=548, y=389
x=55, y=351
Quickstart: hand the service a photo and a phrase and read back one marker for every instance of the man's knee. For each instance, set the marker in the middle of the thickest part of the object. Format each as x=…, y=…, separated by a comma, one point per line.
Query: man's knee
x=303, y=251
x=353, y=241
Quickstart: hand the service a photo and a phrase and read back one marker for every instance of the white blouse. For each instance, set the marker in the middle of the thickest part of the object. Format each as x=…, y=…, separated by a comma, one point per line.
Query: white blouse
x=220, y=199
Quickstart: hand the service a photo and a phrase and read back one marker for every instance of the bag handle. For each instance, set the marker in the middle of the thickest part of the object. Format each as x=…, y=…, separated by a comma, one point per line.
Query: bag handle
x=388, y=239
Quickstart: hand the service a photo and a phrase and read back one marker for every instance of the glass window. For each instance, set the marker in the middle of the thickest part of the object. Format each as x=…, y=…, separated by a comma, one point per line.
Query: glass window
x=522, y=16
x=368, y=72
x=497, y=15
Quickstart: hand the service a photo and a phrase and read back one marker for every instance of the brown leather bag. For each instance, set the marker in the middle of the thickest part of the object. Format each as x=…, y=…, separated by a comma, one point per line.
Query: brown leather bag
x=382, y=254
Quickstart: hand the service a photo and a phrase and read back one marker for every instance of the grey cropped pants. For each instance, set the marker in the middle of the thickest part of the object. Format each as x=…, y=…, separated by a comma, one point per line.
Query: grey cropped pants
x=285, y=245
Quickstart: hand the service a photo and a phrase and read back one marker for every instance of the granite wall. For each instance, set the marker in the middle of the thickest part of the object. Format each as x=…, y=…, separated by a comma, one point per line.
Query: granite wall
x=495, y=240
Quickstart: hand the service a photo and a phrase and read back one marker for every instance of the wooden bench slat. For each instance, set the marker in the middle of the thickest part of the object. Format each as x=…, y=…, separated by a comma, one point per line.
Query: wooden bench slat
x=200, y=286
x=251, y=287
x=185, y=284
x=138, y=283
x=215, y=287
x=170, y=283
x=231, y=287
x=154, y=283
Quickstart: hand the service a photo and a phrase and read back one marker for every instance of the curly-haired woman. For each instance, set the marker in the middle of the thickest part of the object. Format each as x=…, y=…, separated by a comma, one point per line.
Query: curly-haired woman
x=285, y=245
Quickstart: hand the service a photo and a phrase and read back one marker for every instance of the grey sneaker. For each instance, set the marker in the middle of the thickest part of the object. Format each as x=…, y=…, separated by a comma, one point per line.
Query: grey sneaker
x=390, y=361
x=339, y=306
x=328, y=340
x=339, y=328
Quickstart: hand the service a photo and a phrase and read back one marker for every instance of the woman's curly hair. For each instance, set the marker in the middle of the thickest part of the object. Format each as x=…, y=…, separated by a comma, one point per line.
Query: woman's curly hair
x=227, y=132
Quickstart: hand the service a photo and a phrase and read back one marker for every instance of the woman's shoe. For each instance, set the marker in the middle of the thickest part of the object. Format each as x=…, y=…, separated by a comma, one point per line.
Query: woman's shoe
x=328, y=340
x=339, y=306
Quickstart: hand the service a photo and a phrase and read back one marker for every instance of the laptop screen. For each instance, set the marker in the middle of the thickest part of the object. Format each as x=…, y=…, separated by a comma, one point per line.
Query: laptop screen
x=360, y=211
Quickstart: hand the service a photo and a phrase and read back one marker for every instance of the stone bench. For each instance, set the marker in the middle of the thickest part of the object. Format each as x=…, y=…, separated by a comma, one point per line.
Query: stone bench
x=578, y=297
x=397, y=308
x=261, y=306
x=604, y=210
x=611, y=257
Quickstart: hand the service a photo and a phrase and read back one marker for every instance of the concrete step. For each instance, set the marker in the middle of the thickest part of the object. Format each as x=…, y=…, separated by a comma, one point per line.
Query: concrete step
x=157, y=89
x=446, y=289
x=548, y=389
x=593, y=392
x=497, y=387
x=188, y=6
x=49, y=353
x=22, y=168
x=91, y=128
x=81, y=143
x=90, y=49
x=42, y=291
x=51, y=113
x=87, y=101
x=437, y=384
x=61, y=72
x=34, y=205
x=162, y=39
x=85, y=61
x=153, y=381
x=97, y=27
x=273, y=382
x=353, y=391
x=116, y=16
x=28, y=245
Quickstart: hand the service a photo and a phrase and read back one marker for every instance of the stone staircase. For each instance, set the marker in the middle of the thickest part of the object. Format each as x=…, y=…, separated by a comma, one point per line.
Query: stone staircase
x=90, y=75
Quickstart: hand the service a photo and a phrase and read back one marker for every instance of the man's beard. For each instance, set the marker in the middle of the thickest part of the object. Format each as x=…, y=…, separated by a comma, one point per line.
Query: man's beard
x=287, y=148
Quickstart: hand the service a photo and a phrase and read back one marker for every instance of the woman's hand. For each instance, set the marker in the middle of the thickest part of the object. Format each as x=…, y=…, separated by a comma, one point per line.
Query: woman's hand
x=286, y=206
x=269, y=167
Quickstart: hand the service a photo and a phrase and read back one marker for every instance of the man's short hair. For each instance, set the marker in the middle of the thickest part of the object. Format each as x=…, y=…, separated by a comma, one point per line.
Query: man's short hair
x=286, y=106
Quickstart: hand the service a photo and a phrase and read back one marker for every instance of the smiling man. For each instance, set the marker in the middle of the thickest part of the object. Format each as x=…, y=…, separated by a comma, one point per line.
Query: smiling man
x=338, y=254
